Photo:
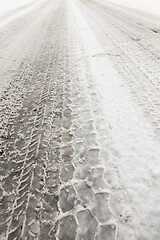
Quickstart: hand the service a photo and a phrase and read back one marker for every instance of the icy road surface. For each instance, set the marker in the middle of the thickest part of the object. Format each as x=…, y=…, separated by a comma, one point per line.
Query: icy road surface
x=79, y=122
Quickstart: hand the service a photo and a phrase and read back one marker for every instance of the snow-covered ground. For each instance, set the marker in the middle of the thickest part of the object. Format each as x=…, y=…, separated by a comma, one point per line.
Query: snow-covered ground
x=148, y=6
x=15, y=44
x=9, y=5
x=133, y=152
x=10, y=10
x=82, y=113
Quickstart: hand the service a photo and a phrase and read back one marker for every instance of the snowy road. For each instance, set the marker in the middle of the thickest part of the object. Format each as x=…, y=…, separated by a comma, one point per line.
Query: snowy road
x=79, y=122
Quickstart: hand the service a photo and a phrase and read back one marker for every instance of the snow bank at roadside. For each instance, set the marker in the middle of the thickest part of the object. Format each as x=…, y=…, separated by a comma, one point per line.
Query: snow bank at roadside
x=147, y=6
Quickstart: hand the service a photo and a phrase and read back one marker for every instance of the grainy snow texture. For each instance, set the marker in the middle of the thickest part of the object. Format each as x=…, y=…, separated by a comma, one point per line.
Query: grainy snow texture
x=79, y=122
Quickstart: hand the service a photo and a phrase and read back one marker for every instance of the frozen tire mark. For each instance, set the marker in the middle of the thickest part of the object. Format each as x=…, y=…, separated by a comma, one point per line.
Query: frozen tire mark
x=51, y=148
x=119, y=34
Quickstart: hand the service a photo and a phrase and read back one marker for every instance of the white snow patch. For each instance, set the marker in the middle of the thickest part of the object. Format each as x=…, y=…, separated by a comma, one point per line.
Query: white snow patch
x=12, y=9
x=134, y=150
x=148, y=6
x=8, y=5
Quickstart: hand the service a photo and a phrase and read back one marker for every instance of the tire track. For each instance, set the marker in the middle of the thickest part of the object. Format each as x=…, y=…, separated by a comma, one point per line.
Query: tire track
x=140, y=70
x=55, y=150
x=81, y=196
x=23, y=152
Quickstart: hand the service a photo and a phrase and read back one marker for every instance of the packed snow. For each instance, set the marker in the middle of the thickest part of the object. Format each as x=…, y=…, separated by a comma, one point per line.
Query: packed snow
x=130, y=146
x=133, y=151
